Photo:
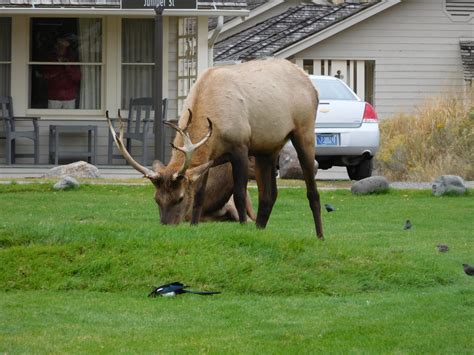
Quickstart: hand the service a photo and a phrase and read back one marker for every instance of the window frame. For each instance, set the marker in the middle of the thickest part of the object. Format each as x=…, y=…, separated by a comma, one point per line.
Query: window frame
x=8, y=63
x=189, y=79
x=69, y=113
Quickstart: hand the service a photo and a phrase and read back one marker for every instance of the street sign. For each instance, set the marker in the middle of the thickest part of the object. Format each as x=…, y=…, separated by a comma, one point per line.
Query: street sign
x=165, y=4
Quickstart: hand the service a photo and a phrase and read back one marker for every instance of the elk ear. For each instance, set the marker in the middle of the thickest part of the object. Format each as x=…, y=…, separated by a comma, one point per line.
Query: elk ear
x=196, y=173
x=157, y=166
x=157, y=180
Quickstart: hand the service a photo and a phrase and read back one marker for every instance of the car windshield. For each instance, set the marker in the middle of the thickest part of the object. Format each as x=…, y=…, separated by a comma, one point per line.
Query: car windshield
x=332, y=90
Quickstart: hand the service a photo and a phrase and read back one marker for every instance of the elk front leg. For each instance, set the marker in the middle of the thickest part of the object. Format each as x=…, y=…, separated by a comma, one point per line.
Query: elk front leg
x=267, y=188
x=199, y=200
x=240, y=161
x=304, y=145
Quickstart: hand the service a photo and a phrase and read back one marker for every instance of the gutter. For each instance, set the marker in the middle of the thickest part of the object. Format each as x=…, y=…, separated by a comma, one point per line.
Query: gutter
x=117, y=12
x=252, y=14
x=211, y=41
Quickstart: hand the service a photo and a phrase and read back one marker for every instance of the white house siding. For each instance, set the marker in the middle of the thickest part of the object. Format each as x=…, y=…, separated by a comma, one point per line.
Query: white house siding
x=415, y=45
x=111, y=89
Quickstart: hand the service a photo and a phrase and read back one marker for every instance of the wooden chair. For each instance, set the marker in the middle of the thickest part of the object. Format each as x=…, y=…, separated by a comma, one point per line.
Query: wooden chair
x=138, y=126
x=11, y=132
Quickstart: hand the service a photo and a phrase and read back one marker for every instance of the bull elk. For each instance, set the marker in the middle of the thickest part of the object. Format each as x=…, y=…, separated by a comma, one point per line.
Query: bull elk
x=233, y=112
x=218, y=204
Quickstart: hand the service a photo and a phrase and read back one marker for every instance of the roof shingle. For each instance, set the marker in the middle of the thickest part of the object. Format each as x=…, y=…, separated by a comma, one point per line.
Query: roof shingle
x=278, y=32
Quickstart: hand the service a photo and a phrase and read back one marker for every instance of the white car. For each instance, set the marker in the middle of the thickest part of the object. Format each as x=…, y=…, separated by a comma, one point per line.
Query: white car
x=347, y=129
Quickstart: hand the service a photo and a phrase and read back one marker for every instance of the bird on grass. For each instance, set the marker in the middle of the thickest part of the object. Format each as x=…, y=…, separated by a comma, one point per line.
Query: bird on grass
x=329, y=207
x=407, y=225
x=468, y=269
x=174, y=289
x=442, y=248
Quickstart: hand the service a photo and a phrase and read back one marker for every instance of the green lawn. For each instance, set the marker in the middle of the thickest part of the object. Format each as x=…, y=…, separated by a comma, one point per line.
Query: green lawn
x=76, y=267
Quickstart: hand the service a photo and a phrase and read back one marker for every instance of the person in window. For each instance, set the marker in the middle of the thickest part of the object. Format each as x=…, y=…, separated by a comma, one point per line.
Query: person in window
x=63, y=80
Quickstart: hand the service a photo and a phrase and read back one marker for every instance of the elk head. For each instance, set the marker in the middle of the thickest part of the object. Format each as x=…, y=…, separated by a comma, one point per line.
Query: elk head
x=175, y=188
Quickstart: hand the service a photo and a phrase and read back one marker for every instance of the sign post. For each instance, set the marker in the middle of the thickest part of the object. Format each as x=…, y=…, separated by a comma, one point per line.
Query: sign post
x=159, y=6
x=159, y=127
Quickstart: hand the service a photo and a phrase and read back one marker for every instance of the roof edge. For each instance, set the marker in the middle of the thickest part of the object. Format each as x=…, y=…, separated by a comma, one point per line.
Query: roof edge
x=118, y=11
x=252, y=13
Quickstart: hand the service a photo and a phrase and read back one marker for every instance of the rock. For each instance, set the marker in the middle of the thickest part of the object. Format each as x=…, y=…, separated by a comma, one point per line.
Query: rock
x=79, y=169
x=446, y=184
x=370, y=185
x=66, y=182
x=290, y=165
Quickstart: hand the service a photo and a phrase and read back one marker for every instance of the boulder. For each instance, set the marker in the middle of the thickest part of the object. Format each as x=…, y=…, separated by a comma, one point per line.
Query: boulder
x=79, y=169
x=448, y=184
x=289, y=164
x=66, y=182
x=370, y=185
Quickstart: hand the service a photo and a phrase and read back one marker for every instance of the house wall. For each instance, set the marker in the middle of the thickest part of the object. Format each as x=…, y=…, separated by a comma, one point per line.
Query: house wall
x=415, y=45
x=111, y=88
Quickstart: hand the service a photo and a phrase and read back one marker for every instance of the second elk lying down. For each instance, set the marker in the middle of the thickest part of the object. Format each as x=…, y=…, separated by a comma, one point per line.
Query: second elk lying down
x=251, y=109
x=218, y=203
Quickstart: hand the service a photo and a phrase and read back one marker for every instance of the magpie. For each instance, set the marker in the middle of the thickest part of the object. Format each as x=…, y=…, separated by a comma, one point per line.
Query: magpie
x=407, y=225
x=329, y=207
x=175, y=288
x=442, y=248
x=468, y=269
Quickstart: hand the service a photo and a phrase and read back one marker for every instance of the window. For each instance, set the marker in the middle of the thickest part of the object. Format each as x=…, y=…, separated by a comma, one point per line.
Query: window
x=187, y=57
x=5, y=55
x=66, y=63
x=332, y=90
x=137, y=59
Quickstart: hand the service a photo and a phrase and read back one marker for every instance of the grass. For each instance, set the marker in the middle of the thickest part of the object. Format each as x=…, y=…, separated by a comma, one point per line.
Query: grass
x=76, y=266
x=437, y=139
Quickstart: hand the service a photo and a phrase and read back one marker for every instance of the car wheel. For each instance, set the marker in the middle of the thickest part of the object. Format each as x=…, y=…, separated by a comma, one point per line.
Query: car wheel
x=361, y=170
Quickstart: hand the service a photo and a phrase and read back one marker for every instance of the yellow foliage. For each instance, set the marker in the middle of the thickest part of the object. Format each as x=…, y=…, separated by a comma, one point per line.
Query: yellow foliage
x=437, y=139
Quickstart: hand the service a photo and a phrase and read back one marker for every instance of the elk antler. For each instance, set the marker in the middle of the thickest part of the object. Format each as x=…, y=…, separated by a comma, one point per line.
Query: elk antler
x=150, y=174
x=188, y=148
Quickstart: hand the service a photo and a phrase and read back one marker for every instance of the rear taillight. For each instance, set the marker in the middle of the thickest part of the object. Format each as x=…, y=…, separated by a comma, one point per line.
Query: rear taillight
x=369, y=114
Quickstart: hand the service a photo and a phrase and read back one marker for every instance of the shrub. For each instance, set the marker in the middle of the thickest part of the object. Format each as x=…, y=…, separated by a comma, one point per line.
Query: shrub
x=437, y=139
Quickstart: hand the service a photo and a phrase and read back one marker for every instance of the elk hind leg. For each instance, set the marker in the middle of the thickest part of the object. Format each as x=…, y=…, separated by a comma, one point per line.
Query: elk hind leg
x=239, y=160
x=267, y=189
x=304, y=145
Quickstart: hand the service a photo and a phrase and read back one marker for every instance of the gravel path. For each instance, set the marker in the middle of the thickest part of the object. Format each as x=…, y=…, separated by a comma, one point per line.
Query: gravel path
x=422, y=185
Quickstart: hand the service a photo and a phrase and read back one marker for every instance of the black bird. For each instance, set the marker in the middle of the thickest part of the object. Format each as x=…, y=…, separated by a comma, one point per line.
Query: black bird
x=442, y=248
x=407, y=225
x=329, y=207
x=468, y=269
x=175, y=288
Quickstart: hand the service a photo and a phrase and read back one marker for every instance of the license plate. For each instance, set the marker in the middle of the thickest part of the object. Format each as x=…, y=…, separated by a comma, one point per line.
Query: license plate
x=327, y=139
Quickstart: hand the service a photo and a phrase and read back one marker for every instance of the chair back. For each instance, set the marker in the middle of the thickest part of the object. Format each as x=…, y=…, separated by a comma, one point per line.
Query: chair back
x=6, y=112
x=139, y=113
